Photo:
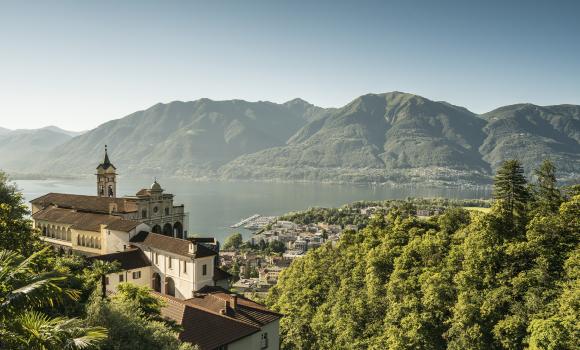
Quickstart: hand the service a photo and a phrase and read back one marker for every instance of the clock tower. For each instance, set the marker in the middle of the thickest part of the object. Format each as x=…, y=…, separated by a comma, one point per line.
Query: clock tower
x=106, y=178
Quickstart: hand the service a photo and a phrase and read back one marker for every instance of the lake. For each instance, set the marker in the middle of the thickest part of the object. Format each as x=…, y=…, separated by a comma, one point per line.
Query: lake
x=214, y=206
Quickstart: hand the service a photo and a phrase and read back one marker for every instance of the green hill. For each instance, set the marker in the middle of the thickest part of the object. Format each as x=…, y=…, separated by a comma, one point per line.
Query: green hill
x=392, y=137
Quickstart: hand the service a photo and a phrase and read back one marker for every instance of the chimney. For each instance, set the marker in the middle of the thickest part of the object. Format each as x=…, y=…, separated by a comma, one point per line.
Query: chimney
x=234, y=300
x=224, y=311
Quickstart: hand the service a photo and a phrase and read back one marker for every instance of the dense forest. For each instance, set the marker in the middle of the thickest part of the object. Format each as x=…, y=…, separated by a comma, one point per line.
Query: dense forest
x=507, y=279
x=51, y=301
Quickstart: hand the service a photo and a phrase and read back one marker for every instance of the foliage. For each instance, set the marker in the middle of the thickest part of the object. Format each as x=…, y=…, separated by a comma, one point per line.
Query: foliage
x=16, y=232
x=546, y=193
x=148, y=303
x=129, y=327
x=277, y=246
x=24, y=290
x=462, y=280
x=233, y=241
x=510, y=193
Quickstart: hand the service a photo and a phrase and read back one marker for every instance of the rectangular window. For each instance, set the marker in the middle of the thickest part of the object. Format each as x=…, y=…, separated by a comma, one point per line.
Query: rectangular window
x=170, y=263
x=121, y=278
x=264, y=344
x=204, y=269
x=107, y=281
x=136, y=275
x=156, y=258
x=185, y=267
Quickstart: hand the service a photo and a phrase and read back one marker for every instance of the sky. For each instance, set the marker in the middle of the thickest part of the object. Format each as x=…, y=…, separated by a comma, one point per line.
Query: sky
x=78, y=64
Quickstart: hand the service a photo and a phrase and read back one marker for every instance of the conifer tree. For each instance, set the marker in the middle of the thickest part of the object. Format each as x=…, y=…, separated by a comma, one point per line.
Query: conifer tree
x=511, y=193
x=547, y=196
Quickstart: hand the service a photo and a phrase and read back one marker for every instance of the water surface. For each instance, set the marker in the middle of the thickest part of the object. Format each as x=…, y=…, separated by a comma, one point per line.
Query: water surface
x=214, y=206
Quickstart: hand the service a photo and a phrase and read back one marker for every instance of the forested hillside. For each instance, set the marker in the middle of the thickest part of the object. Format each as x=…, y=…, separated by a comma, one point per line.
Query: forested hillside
x=377, y=138
x=463, y=280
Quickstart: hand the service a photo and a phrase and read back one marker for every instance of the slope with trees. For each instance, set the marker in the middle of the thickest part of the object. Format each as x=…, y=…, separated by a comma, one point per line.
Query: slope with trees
x=507, y=279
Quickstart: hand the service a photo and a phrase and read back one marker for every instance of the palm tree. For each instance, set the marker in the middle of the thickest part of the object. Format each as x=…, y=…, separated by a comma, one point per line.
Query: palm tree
x=22, y=290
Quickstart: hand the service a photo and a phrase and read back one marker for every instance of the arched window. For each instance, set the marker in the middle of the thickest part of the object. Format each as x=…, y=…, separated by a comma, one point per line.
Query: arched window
x=143, y=214
x=68, y=233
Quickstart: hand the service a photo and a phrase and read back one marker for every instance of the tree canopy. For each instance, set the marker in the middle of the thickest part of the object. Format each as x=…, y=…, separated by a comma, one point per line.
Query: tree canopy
x=507, y=279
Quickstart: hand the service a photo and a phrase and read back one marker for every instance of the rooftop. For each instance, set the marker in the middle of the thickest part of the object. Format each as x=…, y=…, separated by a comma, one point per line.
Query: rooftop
x=170, y=244
x=129, y=259
x=94, y=204
x=84, y=220
x=207, y=329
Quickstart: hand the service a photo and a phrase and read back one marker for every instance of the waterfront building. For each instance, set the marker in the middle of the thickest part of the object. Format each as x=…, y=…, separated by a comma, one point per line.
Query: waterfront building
x=145, y=235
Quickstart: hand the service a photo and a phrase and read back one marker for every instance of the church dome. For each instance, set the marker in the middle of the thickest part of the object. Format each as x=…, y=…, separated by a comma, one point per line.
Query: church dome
x=155, y=186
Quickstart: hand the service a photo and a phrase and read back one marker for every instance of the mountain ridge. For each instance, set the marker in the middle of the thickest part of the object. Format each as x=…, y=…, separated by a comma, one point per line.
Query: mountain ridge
x=388, y=137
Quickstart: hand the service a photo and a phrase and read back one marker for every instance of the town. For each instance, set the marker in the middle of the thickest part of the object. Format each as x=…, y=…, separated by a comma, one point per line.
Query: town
x=256, y=263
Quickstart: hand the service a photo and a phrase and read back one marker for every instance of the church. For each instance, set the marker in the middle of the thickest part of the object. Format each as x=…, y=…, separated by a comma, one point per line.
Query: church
x=146, y=236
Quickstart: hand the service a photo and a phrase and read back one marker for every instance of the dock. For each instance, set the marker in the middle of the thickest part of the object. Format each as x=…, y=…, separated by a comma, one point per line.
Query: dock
x=245, y=221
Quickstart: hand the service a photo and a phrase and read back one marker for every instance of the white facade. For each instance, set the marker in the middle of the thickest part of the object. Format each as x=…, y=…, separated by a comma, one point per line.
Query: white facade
x=140, y=277
x=186, y=274
x=267, y=338
x=118, y=241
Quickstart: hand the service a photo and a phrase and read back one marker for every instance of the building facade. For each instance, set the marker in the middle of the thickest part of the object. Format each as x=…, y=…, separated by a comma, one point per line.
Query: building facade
x=145, y=235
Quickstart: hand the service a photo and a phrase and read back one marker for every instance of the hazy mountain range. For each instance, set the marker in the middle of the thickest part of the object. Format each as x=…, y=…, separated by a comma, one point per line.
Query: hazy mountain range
x=394, y=136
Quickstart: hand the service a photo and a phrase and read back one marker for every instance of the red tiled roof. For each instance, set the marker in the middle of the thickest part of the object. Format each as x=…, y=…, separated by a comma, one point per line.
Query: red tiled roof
x=203, y=327
x=246, y=311
x=82, y=220
x=86, y=203
x=129, y=259
x=123, y=225
x=170, y=244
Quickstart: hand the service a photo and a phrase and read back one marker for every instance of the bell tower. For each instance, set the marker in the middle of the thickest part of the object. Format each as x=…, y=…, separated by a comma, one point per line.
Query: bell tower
x=106, y=178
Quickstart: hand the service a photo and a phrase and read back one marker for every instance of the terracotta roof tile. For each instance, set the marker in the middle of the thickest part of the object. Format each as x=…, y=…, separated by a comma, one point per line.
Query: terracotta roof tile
x=85, y=203
x=203, y=327
x=246, y=311
x=123, y=225
x=129, y=259
x=81, y=220
x=170, y=244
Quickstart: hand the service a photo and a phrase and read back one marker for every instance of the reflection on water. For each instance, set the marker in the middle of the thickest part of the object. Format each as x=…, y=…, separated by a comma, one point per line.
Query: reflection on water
x=214, y=206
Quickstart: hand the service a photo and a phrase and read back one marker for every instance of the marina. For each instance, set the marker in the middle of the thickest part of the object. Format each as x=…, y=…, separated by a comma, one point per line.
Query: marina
x=255, y=222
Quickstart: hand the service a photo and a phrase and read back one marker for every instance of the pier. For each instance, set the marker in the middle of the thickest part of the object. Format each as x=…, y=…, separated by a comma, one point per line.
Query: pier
x=245, y=221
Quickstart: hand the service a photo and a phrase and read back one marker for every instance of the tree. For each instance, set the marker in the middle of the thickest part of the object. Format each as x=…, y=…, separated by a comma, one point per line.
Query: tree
x=277, y=246
x=511, y=194
x=16, y=232
x=149, y=304
x=131, y=328
x=23, y=291
x=546, y=194
x=233, y=241
x=454, y=282
x=235, y=270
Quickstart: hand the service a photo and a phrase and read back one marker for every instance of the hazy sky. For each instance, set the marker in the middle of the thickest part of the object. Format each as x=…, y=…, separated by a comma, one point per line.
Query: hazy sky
x=77, y=64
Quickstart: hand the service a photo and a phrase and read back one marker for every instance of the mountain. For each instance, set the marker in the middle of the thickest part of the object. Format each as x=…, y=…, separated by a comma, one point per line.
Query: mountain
x=391, y=137
x=532, y=133
x=376, y=137
x=185, y=138
x=25, y=148
x=403, y=137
